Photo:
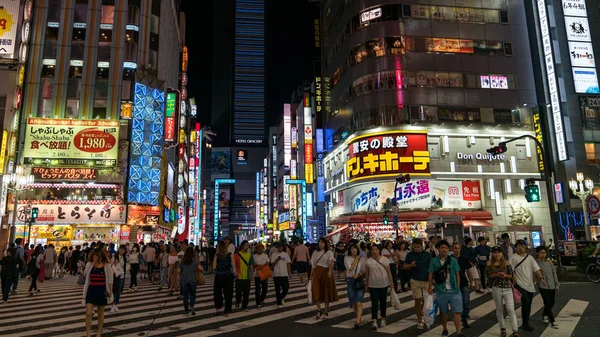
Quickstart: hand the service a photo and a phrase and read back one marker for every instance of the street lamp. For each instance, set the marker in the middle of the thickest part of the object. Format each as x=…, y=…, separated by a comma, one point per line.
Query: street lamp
x=17, y=182
x=582, y=188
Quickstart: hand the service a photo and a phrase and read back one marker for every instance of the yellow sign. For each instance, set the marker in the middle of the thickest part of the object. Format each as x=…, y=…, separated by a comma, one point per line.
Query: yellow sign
x=537, y=127
x=126, y=110
x=387, y=154
x=3, y=150
x=309, y=173
x=284, y=226
x=21, y=75
x=184, y=59
x=45, y=232
x=181, y=136
x=71, y=142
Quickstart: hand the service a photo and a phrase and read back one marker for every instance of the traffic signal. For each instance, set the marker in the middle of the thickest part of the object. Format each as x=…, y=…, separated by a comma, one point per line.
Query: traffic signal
x=385, y=218
x=532, y=191
x=34, y=213
x=496, y=150
x=402, y=179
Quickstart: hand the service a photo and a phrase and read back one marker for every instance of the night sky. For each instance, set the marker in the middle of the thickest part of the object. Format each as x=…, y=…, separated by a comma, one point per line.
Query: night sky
x=289, y=55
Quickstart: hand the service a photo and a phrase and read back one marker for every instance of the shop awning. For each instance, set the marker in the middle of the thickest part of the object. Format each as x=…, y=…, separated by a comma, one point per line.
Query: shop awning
x=477, y=223
x=337, y=231
x=414, y=216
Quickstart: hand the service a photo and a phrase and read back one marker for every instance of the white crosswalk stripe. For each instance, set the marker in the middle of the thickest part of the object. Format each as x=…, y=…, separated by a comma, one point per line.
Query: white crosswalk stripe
x=148, y=312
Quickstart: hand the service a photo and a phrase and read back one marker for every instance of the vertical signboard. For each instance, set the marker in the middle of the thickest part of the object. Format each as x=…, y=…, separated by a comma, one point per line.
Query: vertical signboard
x=293, y=205
x=9, y=18
x=170, y=117
x=581, y=51
x=551, y=82
x=286, y=192
x=287, y=135
x=537, y=127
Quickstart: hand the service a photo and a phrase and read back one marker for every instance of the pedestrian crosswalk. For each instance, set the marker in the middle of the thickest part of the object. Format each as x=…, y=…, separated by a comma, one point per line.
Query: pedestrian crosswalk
x=58, y=311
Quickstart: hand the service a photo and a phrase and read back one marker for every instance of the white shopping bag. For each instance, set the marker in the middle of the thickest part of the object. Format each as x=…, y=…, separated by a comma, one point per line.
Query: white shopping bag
x=395, y=300
x=309, y=290
x=429, y=309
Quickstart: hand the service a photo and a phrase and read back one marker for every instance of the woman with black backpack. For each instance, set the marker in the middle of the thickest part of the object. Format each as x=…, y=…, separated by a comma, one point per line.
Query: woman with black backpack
x=33, y=268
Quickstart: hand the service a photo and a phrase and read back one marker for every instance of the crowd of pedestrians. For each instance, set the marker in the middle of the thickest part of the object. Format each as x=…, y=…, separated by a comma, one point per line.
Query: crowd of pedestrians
x=428, y=268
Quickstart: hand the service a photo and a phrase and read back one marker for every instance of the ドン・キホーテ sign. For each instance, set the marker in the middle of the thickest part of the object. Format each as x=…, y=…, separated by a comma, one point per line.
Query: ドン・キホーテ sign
x=71, y=142
x=388, y=154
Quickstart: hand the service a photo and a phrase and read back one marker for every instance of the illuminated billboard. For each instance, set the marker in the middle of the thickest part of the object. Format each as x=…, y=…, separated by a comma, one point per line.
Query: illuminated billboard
x=71, y=142
x=145, y=159
x=387, y=154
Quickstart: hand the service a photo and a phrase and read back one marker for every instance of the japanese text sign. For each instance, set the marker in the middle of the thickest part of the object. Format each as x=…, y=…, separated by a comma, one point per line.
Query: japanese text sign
x=416, y=194
x=70, y=214
x=388, y=154
x=64, y=173
x=72, y=142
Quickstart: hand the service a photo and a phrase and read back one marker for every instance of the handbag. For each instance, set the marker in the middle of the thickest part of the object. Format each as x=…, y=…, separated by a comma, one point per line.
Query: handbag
x=200, y=277
x=359, y=282
x=264, y=273
x=395, y=300
x=516, y=294
x=81, y=279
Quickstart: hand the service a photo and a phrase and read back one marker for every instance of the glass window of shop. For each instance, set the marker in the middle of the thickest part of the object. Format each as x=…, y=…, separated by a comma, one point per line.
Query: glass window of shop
x=590, y=117
x=46, y=90
x=104, y=45
x=81, y=7
x=73, y=92
x=50, y=42
x=54, y=8
x=77, y=43
x=100, y=93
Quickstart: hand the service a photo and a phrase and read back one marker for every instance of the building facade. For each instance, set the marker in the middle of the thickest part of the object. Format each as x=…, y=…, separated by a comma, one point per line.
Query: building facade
x=93, y=119
x=564, y=61
x=442, y=80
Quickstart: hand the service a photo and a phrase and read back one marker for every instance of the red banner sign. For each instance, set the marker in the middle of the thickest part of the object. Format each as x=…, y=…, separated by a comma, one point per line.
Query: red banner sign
x=388, y=154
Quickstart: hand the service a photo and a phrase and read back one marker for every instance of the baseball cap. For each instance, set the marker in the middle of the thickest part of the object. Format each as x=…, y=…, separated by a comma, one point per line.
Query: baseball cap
x=496, y=249
x=521, y=242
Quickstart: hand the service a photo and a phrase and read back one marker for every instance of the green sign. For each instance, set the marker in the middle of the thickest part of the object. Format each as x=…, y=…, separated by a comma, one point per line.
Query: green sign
x=171, y=103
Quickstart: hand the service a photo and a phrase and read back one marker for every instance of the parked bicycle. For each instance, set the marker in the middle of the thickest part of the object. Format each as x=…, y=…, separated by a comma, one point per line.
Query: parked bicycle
x=592, y=271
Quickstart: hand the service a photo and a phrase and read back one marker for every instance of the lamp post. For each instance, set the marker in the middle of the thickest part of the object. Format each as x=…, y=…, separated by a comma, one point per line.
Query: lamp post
x=17, y=182
x=582, y=188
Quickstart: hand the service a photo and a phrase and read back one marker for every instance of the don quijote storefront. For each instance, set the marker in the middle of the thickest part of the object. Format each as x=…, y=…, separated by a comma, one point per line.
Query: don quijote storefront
x=456, y=187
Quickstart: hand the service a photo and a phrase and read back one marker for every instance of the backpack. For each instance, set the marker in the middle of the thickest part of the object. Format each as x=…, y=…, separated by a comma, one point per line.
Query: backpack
x=32, y=266
x=440, y=275
x=61, y=258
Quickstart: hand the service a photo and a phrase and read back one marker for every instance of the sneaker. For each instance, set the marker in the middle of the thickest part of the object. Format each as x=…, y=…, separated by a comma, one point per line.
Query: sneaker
x=112, y=309
x=374, y=326
x=479, y=291
x=193, y=312
x=382, y=323
x=465, y=324
x=259, y=306
x=545, y=319
x=554, y=325
x=13, y=292
x=445, y=333
x=186, y=312
x=283, y=302
x=116, y=308
x=279, y=306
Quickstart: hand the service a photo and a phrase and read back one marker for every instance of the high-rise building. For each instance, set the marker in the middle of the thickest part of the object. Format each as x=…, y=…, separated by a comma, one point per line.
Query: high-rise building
x=238, y=76
x=94, y=106
x=563, y=35
x=425, y=90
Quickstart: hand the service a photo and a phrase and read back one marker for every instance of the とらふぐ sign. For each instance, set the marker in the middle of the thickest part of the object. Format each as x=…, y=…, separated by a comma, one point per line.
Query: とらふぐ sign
x=71, y=142
x=388, y=154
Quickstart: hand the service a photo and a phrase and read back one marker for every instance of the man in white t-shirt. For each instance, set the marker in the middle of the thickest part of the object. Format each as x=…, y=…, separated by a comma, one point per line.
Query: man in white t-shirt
x=525, y=267
x=230, y=245
x=282, y=265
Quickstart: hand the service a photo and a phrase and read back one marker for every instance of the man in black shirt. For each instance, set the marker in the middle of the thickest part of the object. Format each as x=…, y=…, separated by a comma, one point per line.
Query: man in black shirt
x=465, y=264
x=417, y=261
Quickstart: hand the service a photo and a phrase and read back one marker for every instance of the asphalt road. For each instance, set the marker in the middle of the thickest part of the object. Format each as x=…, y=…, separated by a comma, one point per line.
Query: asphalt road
x=57, y=311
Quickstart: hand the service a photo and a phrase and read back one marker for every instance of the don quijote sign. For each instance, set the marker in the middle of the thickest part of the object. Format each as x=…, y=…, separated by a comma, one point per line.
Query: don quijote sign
x=480, y=156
